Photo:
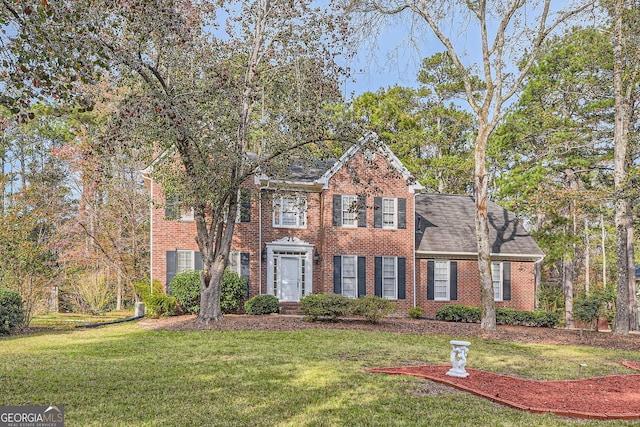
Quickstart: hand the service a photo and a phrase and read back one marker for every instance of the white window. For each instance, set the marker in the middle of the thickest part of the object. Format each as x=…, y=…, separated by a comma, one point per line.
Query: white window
x=389, y=277
x=349, y=211
x=290, y=211
x=389, y=212
x=496, y=275
x=350, y=276
x=234, y=262
x=441, y=280
x=185, y=261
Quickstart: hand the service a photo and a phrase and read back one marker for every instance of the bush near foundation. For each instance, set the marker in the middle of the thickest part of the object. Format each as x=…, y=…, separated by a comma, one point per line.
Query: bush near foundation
x=11, y=311
x=262, y=304
x=315, y=306
x=332, y=306
x=504, y=316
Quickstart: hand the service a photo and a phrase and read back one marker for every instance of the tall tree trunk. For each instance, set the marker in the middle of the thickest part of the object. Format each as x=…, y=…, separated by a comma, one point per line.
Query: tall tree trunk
x=488, y=320
x=620, y=177
x=633, y=297
x=587, y=257
x=603, y=245
x=567, y=286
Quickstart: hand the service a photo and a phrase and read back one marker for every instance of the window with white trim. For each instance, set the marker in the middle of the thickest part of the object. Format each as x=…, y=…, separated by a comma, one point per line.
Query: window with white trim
x=496, y=276
x=390, y=277
x=389, y=212
x=290, y=211
x=349, y=211
x=185, y=261
x=441, y=280
x=235, y=264
x=350, y=276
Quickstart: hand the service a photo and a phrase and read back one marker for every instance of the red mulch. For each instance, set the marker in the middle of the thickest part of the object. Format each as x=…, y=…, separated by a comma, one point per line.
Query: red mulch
x=603, y=398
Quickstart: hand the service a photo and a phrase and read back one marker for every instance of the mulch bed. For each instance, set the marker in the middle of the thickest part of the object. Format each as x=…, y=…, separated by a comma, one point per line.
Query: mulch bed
x=602, y=398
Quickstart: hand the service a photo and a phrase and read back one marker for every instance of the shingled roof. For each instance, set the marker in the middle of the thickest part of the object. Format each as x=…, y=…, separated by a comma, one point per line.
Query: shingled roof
x=445, y=227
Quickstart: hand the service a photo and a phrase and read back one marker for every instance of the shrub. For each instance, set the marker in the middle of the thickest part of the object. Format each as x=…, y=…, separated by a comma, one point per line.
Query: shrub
x=262, y=304
x=459, y=313
x=373, y=307
x=185, y=287
x=416, y=312
x=504, y=316
x=143, y=290
x=315, y=306
x=233, y=292
x=161, y=305
x=587, y=308
x=12, y=312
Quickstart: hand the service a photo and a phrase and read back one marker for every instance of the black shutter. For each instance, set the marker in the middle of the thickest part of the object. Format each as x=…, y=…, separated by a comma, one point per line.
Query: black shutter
x=245, y=205
x=402, y=213
x=362, y=211
x=453, y=280
x=337, y=210
x=171, y=268
x=402, y=282
x=197, y=261
x=377, y=212
x=506, y=281
x=430, y=280
x=378, y=276
x=337, y=274
x=362, y=276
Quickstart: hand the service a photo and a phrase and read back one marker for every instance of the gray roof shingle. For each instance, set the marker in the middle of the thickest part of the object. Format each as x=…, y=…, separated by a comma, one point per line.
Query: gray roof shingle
x=445, y=224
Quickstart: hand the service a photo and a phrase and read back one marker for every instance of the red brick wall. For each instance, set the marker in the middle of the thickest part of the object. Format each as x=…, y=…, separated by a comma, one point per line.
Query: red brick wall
x=369, y=242
x=522, y=286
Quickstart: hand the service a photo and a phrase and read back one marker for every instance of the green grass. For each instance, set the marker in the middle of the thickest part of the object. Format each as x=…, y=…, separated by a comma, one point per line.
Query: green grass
x=71, y=320
x=123, y=375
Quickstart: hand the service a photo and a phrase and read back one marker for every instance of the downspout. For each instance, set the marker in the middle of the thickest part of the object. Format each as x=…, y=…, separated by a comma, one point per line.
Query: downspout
x=414, y=252
x=151, y=233
x=260, y=241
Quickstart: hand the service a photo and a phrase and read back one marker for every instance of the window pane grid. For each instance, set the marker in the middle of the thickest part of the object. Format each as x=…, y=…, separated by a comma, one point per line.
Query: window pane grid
x=349, y=276
x=348, y=210
x=389, y=277
x=388, y=212
x=496, y=275
x=290, y=211
x=185, y=261
x=441, y=280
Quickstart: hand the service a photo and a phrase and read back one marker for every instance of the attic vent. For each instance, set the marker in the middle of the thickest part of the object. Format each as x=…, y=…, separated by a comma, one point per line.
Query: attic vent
x=369, y=154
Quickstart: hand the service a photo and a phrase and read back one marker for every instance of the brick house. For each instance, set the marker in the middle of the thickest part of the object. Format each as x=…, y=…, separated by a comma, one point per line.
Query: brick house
x=356, y=226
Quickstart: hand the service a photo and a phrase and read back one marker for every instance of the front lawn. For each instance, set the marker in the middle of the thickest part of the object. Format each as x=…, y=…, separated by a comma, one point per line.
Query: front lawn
x=124, y=375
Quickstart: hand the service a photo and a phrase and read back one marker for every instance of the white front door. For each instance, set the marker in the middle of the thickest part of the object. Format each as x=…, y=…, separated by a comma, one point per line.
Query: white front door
x=289, y=280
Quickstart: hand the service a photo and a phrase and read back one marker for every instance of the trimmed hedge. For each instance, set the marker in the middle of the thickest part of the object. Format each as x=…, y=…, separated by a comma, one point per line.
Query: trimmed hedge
x=262, y=304
x=11, y=311
x=504, y=316
x=332, y=306
x=315, y=306
x=233, y=292
x=185, y=287
x=372, y=307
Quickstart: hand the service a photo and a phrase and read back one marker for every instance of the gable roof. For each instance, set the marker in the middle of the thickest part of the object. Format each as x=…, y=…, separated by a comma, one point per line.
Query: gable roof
x=446, y=228
x=317, y=173
x=371, y=141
